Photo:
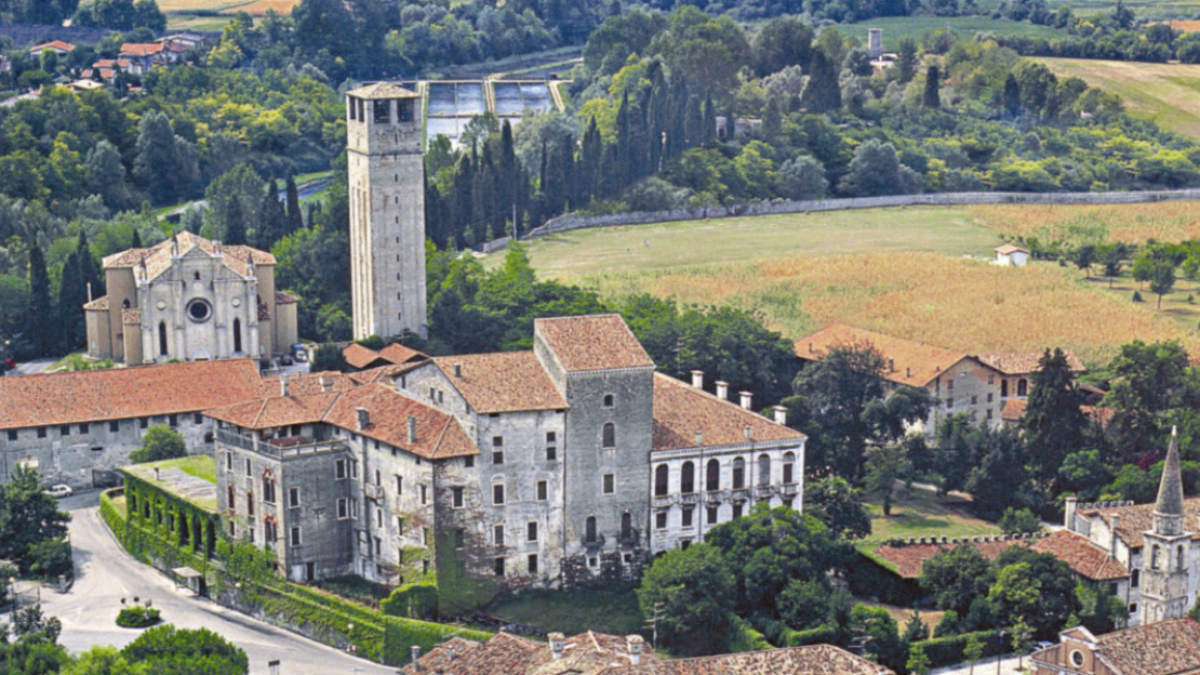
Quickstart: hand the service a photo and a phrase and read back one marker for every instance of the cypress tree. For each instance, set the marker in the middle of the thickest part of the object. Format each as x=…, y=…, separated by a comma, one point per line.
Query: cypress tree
x=1012, y=95
x=624, y=149
x=273, y=223
x=137, y=238
x=823, y=93
x=932, y=98
x=39, y=322
x=294, y=218
x=589, y=160
x=235, y=223
x=71, y=297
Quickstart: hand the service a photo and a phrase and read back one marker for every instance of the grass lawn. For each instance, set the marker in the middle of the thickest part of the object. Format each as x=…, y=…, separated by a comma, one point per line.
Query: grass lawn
x=1130, y=223
x=896, y=28
x=200, y=466
x=921, y=513
x=572, y=612
x=1166, y=93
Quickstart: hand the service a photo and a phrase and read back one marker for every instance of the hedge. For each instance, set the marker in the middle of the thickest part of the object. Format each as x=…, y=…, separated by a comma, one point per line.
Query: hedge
x=413, y=601
x=813, y=636
x=867, y=578
x=949, y=650
x=743, y=637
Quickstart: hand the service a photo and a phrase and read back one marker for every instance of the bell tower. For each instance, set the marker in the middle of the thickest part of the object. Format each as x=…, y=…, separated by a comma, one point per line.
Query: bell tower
x=385, y=158
x=1167, y=548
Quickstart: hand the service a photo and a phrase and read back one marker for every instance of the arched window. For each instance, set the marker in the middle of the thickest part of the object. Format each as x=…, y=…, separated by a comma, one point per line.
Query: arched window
x=231, y=497
x=610, y=435
x=270, y=529
x=162, y=338
x=608, y=400
x=626, y=525
x=1154, y=557
x=712, y=478
x=589, y=529
x=237, y=335
x=1022, y=387
x=764, y=469
x=739, y=473
x=1003, y=388
x=789, y=468
x=660, y=480
x=687, y=478
x=1135, y=578
x=125, y=303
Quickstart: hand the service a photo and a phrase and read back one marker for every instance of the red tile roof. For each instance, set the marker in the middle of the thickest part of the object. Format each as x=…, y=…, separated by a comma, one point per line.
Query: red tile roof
x=158, y=258
x=1138, y=518
x=1005, y=249
x=1163, y=648
x=358, y=356
x=501, y=382
x=123, y=393
x=361, y=357
x=53, y=44
x=907, y=559
x=598, y=342
x=1084, y=557
x=1025, y=363
x=99, y=304
x=682, y=411
x=381, y=374
x=279, y=411
x=808, y=660
x=136, y=49
x=398, y=353
x=913, y=363
x=1014, y=410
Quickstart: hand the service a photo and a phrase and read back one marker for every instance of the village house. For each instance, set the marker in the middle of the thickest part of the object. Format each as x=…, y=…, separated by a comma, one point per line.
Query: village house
x=1017, y=369
x=957, y=382
x=574, y=455
x=144, y=56
x=57, y=46
x=1164, y=648
x=1009, y=255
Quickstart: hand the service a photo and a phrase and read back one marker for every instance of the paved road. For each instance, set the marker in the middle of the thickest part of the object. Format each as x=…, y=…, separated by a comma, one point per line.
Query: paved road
x=106, y=573
x=1008, y=666
x=33, y=367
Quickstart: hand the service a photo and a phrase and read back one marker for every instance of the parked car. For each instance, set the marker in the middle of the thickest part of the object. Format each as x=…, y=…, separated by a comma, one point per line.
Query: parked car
x=59, y=491
x=286, y=360
x=300, y=353
x=1039, y=646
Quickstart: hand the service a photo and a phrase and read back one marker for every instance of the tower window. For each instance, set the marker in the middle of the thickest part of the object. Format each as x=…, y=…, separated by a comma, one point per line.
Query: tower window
x=383, y=112
x=404, y=111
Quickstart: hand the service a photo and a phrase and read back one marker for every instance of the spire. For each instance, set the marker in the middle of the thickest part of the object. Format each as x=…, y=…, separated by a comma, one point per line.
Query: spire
x=1170, y=490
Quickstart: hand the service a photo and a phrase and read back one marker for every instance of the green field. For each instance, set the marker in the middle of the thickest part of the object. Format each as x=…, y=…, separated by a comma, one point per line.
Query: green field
x=1165, y=93
x=572, y=612
x=920, y=513
x=897, y=27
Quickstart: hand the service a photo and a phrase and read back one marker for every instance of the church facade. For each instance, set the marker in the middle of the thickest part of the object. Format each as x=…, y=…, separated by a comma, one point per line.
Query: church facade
x=190, y=299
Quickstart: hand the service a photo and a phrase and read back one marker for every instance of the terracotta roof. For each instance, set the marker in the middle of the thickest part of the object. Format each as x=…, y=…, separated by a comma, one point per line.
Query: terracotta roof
x=1007, y=249
x=306, y=383
x=1023, y=363
x=123, y=393
x=383, y=90
x=358, y=356
x=278, y=411
x=439, y=435
x=131, y=317
x=596, y=342
x=908, y=558
x=141, y=48
x=282, y=298
x=501, y=382
x=1138, y=518
x=109, y=63
x=1013, y=410
x=808, y=660
x=1084, y=557
x=158, y=258
x=361, y=357
x=99, y=304
x=1098, y=415
x=1163, y=648
x=53, y=44
x=913, y=363
x=382, y=374
x=682, y=411
x=398, y=353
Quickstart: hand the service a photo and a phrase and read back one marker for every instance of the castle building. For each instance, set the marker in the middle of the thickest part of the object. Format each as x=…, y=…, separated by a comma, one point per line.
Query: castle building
x=385, y=157
x=189, y=299
x=564, y=460
x=1158, y=543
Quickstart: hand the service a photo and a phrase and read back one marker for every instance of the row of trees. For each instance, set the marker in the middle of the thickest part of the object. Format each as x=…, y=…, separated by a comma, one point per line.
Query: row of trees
x=118, y=14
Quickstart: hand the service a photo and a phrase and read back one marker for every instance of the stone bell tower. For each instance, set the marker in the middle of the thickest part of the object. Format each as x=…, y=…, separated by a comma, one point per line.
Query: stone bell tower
x=385, y=157
x=1167, y=548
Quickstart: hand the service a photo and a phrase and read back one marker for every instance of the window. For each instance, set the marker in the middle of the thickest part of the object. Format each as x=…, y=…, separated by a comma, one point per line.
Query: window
x=1022, y=387
x=498, y=494
x=340, y=469
x=497, y=441
x=249, y=468
x=460, y=538
x=989, y=413
x=551, y=453
x=609, y=483
x=589, y=529
x=354, y=509
x=469, y=461
x=143, y=422
x=660, y=520
x=737, y=510
x=686, y=520
x=551, y=446
x=424, y=494
x=12, y=434
x=379, y=518
x=498, y=535
x=457, y=493
x=378, y=478
x=609, y=435
x=991, y=378
x=250, y=533
x=353, y=469
x=293, y=497
x=950, y=402
x=989, y=397
x=660, y=480
x=197, y=418
x=270, y=531
x=542, y=489
x=764, y=470
x=230, y=497
x=712, y=515
x=378, y=546
x=950, y=385
x=41, y=432
x=531, y=531
x=268, y=486
x=789, y=468
x=712, y=478
x=85, y=428
x=1113, y=588
x=383, y=111
x=687, y=478
x=551, y=437
x=399, y=485
x=400, y=525
x=739, y=473
x=608, y=400
x=498, y=566
x=1134, y=578
x=533, y=563
x=65, y=430
x=173, y=420
x=1132, y=608
x=1077, y=658
x=343, y=511
x=1003, y=388
x=497, y=457
x=626, y=525
x=295, y=536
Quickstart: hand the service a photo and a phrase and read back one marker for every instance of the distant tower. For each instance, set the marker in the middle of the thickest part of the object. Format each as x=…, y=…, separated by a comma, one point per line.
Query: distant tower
x=1167, y=547
x=385, y=154
x=875, y=43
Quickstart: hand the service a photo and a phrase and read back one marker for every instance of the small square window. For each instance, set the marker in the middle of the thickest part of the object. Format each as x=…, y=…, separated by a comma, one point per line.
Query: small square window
x=687, y=518
x=114, y=426
x=457, y=492
x=610, y=481
x=12, y=434
x=469, y=461
x=41, y=432
x=197, y=418
x=531, y=531
x=608, y=400
x=143, y=422
x=85, y=428
x=65, y=430
x=497, y=441
x=340, y=469
x=551, y=437
x=737, y=510
x=660, y=520
x=498, y=494
x=542, y=489
x=551, y=454
x=712, y=515
x=173, y=420
x=343, y=510
x=498, y=567
x=497, y=457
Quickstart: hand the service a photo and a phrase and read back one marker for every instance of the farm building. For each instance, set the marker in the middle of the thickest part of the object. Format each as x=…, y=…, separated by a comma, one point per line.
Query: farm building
x=1009, y=255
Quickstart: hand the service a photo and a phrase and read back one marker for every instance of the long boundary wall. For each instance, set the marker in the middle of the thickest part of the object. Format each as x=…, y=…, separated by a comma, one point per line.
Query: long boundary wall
x=570, y=222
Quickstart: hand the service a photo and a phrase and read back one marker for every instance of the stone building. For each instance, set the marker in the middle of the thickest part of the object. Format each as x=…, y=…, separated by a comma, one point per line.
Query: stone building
x=1165, y=648
x=958, y=383
x=1016, y=370
x=1158, y=543
x=385, y=158
x=532, y=466
x=190, y=299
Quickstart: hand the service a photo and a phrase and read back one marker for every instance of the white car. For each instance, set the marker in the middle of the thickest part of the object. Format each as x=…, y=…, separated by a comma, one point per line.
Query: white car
x=59, y=491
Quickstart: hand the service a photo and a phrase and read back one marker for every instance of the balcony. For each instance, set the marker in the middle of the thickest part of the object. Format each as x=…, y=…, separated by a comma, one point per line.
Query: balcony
x=690, y=498
x=663, y=501
x=791, y=490
x=740, y=495
x=373, y=492
x=629, y=539
x=594, y=544
x=763, y=492
x=278, y=448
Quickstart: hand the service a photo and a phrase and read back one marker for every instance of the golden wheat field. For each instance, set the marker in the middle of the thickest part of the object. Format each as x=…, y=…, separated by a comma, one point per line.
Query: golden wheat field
x=1129, y=223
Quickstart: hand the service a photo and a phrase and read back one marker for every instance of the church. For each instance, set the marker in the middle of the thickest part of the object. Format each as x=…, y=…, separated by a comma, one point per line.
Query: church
x=190, y=299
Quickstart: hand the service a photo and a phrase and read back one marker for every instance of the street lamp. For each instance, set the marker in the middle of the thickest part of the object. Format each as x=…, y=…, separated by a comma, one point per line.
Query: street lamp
x=1000, y=654
x=12, y=588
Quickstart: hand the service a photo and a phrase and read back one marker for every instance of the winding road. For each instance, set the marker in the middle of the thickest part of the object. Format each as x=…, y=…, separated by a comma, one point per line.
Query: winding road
x=106, y=573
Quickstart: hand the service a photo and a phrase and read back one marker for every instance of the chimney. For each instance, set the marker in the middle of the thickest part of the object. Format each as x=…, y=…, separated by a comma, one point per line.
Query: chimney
x=698, y=379
x=412, y=429
x=810, y=348
x=722, y=390
x=747, y=399
x=746, y=431
x=458, y=370
x=416, y=657
x=699, y=439
x=557, y=643
x=635, y=648
x=156, y=473
x=780, y=415
x=908, y=372
x=891, y=365
x=283, y=385
x=1069, y=513
x=451, y=652
x=326, y=384
x=1112, y=543
x=364, y=418
x=89, y=287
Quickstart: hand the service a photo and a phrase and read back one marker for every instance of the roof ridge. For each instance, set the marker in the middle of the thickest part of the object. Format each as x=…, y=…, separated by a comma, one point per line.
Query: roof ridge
x=688, y=387
x=890, y=337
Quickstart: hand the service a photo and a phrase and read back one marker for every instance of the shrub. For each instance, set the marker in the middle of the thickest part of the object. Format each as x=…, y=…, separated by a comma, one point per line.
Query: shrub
x=1019, y=521
x=137, y=616
x=1137, y=297
x=412, y=601
x=50, y=558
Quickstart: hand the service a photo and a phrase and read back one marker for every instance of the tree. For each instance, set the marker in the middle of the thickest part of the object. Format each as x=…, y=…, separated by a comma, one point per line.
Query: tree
x=1147, y=380
x=836, y=503
x=28, y=517
x=154, y=166
x=1000, y=479
x=329, y=357
x=160, y=442
x=915, y=629
x=169, y=650
x=691, y=592
x=294, y=218
x=1035, y=587
x=906, y=61
x=885, y=466
x=918, y=661
x=784, y=41
x=956, y=577
x=1054, y=425
x=1011, y=98
x=40, y=326
x=1162, y=278
x=1084, y=257
x=876, y=170
x=932, y=98
x=801, y=178
x=823, y=93
x=1111, y=256
x=1020, y=521
x=1191, y=267
x=804, y=603
x=973, y=651
x=879, y=635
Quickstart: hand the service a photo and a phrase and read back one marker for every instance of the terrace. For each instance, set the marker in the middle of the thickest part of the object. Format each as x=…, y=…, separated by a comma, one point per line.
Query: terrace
x=451, y=104
x=279, y=448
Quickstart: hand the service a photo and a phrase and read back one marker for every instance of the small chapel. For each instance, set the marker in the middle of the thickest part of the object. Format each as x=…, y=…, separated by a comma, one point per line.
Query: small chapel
x=189, y=299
